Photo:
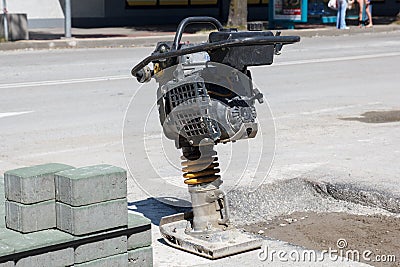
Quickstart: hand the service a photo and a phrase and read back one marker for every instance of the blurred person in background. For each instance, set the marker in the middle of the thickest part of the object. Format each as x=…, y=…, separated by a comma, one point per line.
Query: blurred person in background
x=341, y=14
x=360, y=13
x=368, y=8
x=367, y=5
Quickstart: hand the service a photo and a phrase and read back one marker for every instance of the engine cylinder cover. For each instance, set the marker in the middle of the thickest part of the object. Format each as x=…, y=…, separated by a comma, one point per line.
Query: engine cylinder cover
x=194, y=112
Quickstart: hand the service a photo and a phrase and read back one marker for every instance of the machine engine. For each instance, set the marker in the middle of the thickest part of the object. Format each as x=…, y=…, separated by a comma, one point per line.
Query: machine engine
x=194, y=111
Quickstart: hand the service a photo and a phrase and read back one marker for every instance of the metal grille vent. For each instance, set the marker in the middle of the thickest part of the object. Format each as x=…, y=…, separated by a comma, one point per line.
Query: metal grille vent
x=182, y=93
x=189, y=103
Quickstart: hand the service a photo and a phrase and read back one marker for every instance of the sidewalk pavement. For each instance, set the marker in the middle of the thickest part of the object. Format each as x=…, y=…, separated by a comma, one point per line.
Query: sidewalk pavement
x=52, y=38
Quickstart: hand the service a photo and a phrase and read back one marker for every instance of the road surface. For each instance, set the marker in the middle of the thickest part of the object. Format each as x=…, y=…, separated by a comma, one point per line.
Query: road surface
x=69, y=106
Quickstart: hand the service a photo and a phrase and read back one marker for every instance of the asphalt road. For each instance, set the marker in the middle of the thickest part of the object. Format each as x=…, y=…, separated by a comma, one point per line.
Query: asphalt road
x=69, y=105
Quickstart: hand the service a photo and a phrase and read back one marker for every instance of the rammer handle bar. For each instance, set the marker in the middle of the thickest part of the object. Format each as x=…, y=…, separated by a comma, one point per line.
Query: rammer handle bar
x=191, y=20
x=257, y=40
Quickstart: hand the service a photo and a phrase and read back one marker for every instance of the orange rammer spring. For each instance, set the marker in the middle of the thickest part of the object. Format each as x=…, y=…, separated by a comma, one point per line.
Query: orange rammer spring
x=202, y=170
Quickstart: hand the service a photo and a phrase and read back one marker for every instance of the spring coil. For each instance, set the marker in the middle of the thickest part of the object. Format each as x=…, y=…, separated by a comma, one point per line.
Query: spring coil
x=203, y=169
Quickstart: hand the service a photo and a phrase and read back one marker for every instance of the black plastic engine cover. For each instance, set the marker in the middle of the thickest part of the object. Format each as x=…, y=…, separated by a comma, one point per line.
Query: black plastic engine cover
x=242, y=56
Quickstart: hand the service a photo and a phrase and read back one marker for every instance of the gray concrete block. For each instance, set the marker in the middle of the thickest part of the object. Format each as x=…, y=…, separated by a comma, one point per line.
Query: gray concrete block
x=24, y=242
x=100, y=249
x=137, y=220
x=92, y=218
x=120, y=260
x=30, y=218
x=5, y=250
x=2, y=209
x=141, y=239
x=141, y=257
x=58, y=258
x=32, y=184
x=2, y=194
x=2, y=217
x=7, y=264
x=2, y=214
x=89, y=185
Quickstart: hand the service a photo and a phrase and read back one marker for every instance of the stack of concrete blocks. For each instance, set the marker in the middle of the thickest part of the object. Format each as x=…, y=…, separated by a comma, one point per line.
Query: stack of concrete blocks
x=30, y=197
x=30, y=207
x=90, y=200
x=88, y=205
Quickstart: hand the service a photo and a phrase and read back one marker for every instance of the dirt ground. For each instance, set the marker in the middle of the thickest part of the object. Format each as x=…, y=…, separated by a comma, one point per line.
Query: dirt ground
x=377, y=233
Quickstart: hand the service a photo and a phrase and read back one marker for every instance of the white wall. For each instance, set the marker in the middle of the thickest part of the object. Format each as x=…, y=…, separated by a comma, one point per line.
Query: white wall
x=36, y=9
x=52, y=9
x=40, y=13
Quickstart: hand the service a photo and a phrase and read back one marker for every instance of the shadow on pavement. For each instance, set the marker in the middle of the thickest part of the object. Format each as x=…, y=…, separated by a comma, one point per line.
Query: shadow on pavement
x=155, y=209
x=162, y=241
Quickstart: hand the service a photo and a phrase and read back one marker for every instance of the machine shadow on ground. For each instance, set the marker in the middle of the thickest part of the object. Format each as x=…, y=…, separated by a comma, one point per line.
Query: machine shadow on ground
x=156, y=208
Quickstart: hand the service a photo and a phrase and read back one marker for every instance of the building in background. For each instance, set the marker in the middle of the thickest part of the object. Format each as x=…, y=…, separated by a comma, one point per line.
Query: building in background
x=41, y=13
x=102, y=13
